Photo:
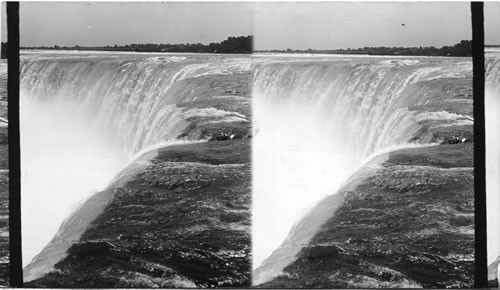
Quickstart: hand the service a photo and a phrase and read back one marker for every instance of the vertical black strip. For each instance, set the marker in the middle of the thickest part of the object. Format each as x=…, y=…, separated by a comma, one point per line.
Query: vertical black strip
x=16, y=270
x=481, y=267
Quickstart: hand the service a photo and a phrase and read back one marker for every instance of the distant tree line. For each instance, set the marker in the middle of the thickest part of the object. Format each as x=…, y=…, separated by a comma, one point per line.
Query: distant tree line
x=241, y=44
x=464, y=48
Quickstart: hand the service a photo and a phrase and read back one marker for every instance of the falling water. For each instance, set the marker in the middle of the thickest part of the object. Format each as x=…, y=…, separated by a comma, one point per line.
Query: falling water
x=317, y=120
x=85, y=116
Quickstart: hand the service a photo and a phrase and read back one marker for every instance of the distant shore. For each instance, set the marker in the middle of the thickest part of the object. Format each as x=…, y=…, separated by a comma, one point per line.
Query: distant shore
x=240, y=44
x=243, y=45
x=461, y=49
x=104, y=52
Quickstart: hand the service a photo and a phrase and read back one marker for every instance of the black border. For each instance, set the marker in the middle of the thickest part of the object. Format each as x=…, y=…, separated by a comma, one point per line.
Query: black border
x=16, y=270
x=480, y=261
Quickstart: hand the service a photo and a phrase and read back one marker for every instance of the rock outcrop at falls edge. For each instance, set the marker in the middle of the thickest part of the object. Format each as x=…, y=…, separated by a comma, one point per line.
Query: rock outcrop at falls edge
x=405, y=220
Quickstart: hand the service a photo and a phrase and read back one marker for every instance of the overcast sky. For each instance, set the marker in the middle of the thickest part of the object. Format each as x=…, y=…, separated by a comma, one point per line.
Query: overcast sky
x=3, y=21
x=351, y=25
x=492, y=22
x=276, y=25
x=87, y=24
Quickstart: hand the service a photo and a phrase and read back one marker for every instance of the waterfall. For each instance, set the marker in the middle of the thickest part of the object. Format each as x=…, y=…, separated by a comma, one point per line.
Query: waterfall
x=318, y=120
x=86, y=116
x=131, y=101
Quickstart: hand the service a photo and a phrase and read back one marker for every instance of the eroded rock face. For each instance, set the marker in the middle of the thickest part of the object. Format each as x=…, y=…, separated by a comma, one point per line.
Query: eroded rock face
x=410, y=223
x=182, y=221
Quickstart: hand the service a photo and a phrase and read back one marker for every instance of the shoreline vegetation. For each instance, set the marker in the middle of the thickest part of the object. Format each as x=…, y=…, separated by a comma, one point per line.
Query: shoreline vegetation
x=462, y=49
x=244, y=45
x=240, y=45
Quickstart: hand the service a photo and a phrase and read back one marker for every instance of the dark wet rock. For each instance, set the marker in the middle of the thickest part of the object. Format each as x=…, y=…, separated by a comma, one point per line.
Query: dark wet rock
x=453, y=139
x=91, y=248
x=217, y=132
x=493, y=283
x=223, y=136
x=323, y=251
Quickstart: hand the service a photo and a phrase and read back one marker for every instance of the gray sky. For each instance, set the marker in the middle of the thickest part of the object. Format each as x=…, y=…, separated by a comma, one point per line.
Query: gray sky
x=492, y=22
x=99, y=23
x=3, y=21
x=326, y=25
x=278, y=25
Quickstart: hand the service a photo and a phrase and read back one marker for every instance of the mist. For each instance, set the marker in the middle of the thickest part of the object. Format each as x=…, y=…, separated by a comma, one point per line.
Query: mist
x=64, y=160
x=297, y=162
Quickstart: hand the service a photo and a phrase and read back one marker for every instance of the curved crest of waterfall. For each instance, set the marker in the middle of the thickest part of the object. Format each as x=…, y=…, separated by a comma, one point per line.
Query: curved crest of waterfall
x=318, y=120
x=132, y=100
x=86, y=116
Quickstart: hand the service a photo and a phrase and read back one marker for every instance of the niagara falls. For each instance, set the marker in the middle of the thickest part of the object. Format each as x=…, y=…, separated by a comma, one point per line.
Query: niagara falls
x=92, y=123
x=322, y=128
x=320, y=119
x=264, y=145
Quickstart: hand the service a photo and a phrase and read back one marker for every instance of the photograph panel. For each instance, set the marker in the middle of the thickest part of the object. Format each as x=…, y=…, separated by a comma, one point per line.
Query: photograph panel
x=135, y=144
x=164, y=147
x=363, y=151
